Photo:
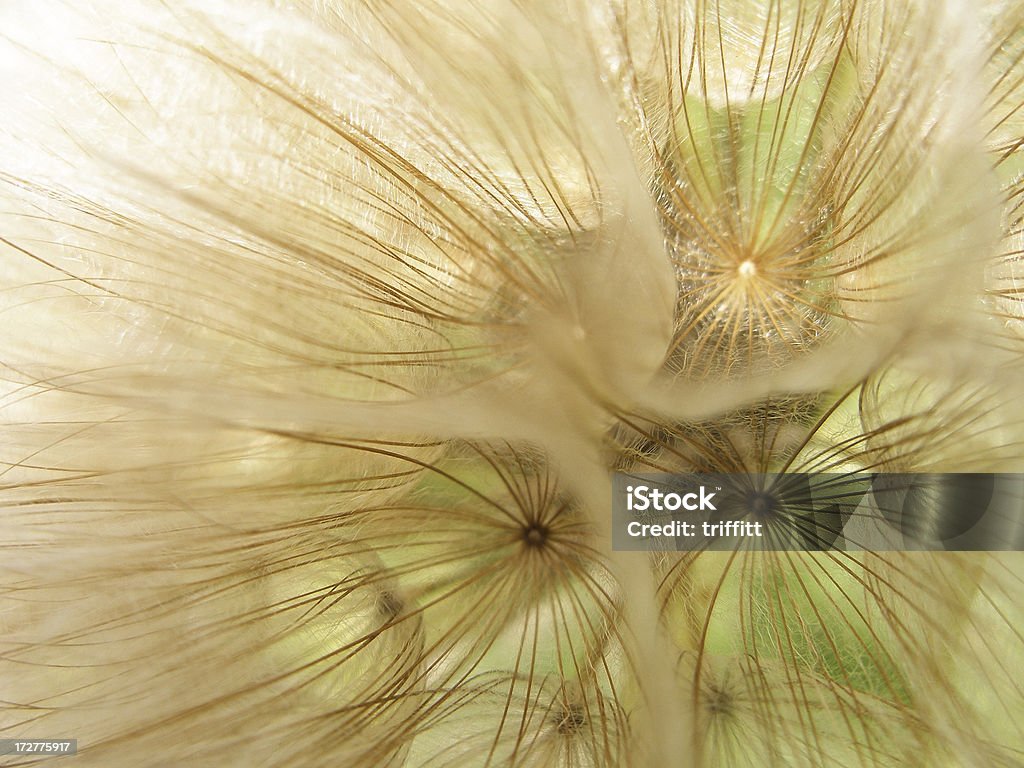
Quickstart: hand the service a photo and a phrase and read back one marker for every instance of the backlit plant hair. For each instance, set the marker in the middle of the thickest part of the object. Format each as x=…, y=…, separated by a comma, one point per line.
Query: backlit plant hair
x=326, y=322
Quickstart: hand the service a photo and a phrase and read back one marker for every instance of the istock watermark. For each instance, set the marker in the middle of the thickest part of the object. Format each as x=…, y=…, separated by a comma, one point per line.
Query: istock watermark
x=641, y=498
x=804, y=511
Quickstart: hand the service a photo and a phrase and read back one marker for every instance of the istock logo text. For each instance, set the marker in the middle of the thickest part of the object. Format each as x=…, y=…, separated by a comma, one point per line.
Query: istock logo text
x=641, y=497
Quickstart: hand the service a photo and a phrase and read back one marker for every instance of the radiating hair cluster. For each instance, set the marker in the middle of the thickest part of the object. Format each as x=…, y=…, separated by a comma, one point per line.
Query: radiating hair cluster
x=325, y=323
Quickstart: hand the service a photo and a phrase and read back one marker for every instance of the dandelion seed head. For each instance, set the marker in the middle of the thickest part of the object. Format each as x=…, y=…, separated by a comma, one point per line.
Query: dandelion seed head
x=327, y=320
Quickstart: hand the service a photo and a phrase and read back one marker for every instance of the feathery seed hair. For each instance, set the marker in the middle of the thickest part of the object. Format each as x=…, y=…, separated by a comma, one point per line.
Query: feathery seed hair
x=325, y=322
